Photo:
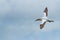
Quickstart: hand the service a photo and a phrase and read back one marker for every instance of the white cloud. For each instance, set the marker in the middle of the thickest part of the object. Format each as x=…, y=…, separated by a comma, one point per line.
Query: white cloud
x=28, y=29
x=27, y=10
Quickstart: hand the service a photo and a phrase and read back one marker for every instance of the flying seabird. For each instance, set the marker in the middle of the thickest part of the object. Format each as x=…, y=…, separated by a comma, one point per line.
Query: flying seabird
x=44, y=19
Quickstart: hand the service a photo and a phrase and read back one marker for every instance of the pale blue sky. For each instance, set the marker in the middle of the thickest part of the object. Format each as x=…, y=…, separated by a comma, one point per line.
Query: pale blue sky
x=17, y=20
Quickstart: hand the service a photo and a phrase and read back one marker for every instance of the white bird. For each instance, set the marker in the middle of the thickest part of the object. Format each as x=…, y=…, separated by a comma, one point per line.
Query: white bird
x=44, y=19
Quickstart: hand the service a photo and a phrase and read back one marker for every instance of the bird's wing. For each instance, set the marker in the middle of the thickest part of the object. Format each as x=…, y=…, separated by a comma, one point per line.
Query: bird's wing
x=46, y=12
x=43, y=23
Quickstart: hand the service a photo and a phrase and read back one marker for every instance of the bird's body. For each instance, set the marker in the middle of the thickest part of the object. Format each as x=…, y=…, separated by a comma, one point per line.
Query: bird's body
x=44, y=19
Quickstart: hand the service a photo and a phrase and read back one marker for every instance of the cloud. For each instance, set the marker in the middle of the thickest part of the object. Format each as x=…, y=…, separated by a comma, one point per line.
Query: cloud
x=18, y=19
x=29, y=8
x=28, y=30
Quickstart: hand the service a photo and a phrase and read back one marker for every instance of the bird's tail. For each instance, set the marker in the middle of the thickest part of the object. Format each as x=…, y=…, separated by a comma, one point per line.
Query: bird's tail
x=50, y=20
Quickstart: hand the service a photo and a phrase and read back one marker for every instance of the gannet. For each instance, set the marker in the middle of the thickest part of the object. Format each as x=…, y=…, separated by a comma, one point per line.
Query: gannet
x=44, y=19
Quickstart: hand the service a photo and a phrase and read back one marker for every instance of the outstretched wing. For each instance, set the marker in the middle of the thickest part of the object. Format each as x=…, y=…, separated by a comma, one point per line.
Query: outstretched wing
x=43, y=23
x=46, y=12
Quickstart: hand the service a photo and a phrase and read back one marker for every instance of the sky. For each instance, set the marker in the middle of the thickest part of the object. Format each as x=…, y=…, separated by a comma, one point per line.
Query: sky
x=17, y=20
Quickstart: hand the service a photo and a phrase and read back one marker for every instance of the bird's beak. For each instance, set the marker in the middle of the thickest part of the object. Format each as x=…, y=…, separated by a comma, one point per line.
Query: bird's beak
x=38, y=20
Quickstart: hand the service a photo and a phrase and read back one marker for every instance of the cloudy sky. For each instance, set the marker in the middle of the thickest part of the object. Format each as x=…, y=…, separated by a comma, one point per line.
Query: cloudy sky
x=17, y=20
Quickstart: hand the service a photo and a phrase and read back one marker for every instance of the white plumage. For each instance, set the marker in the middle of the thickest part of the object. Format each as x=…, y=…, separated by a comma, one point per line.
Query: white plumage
x=44, y=19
